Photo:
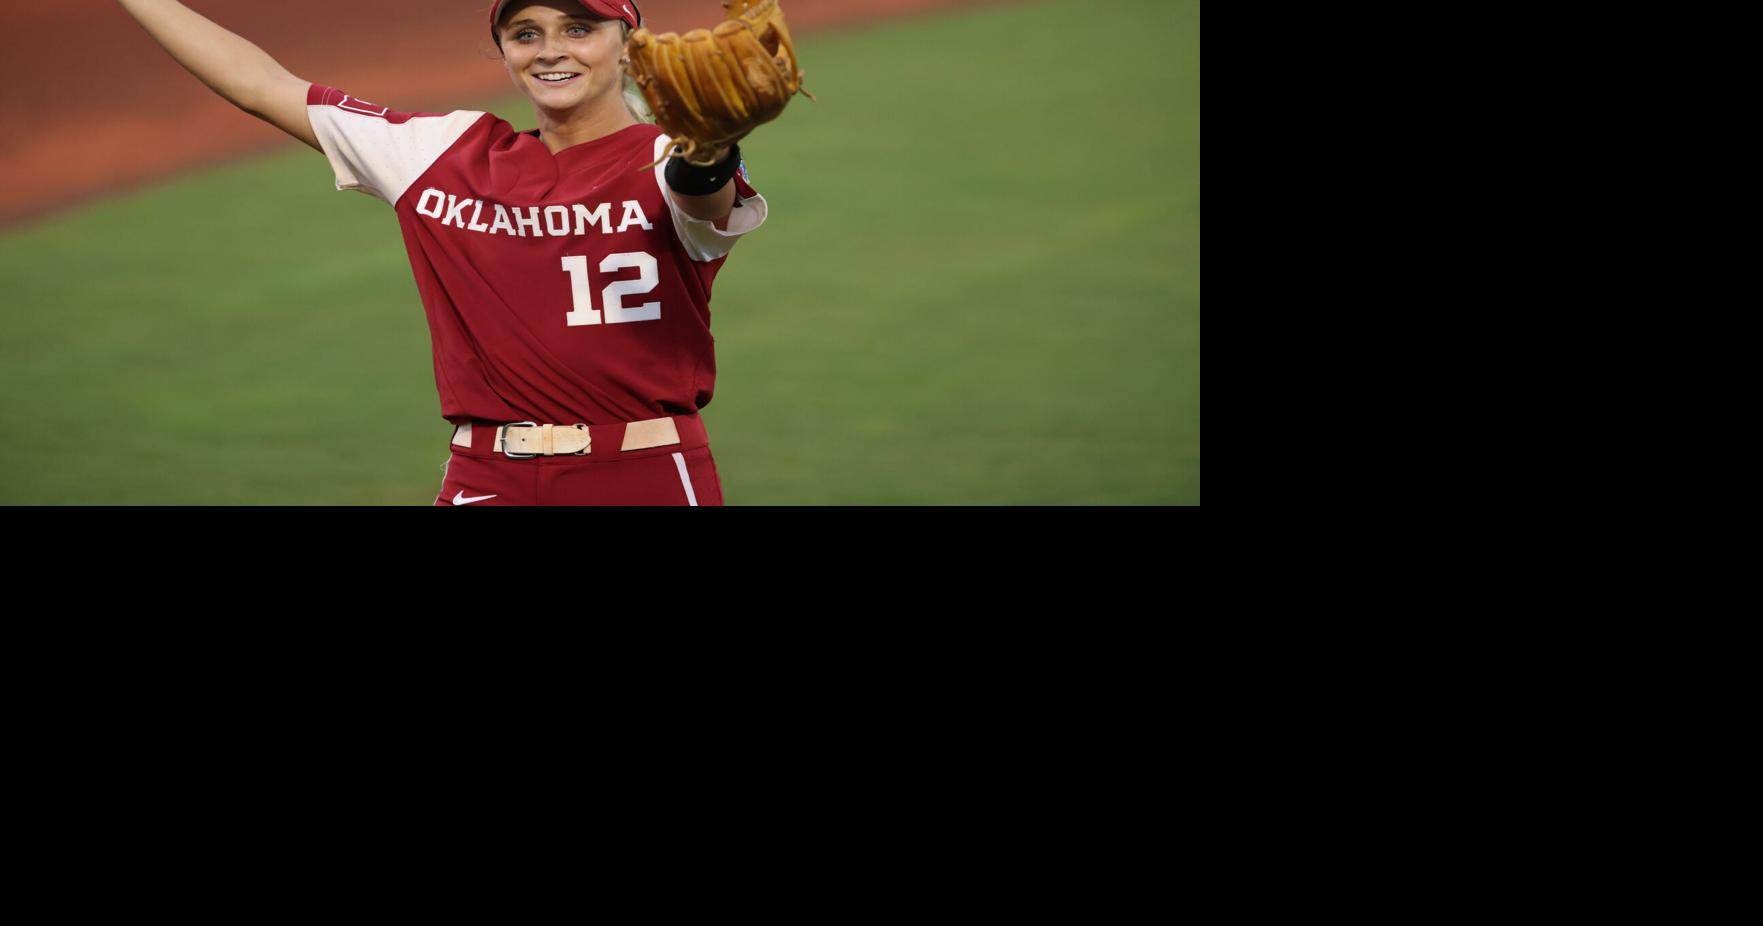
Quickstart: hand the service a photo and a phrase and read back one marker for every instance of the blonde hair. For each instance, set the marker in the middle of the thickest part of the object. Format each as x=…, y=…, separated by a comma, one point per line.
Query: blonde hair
x=633, y=94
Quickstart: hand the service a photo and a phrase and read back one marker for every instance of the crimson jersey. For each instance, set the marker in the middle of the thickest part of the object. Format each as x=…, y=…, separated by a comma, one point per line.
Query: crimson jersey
x=559, y=288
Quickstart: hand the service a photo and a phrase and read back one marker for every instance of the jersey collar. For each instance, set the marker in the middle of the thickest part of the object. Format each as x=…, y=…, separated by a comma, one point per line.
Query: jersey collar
x=576, y=152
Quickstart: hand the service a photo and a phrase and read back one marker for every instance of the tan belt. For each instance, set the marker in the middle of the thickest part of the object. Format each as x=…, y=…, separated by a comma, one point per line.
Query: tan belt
x=525, y=439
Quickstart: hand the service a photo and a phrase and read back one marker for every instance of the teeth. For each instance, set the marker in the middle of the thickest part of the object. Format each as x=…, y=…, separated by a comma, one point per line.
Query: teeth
x=555, y=77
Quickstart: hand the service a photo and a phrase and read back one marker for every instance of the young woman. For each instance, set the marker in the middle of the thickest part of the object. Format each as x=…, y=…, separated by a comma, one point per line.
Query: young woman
x=567, y=287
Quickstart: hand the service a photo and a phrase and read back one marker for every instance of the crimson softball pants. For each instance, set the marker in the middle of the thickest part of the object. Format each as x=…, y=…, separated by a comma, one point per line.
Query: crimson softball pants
x=681, y=473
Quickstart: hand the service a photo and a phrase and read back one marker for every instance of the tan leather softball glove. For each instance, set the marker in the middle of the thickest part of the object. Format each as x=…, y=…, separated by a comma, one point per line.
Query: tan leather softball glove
x=709, y=88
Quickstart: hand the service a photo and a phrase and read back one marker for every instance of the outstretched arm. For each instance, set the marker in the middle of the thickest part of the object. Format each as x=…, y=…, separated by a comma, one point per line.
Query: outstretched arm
x=239, y=71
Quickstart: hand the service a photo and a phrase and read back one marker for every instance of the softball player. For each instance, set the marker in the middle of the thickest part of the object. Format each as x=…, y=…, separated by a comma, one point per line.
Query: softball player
x=567, y=288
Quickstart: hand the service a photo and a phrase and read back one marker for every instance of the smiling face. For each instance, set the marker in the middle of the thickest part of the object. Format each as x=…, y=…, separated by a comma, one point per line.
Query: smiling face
x=553, y=38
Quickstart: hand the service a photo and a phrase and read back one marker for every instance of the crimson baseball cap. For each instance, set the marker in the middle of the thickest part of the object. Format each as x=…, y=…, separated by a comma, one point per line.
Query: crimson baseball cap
x=605, y=9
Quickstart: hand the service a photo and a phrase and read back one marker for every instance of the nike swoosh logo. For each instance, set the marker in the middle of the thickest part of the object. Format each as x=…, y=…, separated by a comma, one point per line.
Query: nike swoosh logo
x=460, y=498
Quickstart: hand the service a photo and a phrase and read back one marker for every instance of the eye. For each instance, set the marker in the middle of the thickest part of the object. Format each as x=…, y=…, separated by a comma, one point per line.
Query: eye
x=522, y=34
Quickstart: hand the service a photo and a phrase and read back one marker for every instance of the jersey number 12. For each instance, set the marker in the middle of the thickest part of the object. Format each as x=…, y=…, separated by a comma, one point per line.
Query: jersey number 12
x=612, y=297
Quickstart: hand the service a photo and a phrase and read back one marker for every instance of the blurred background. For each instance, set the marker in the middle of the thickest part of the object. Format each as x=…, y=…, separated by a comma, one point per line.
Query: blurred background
x=980, y=283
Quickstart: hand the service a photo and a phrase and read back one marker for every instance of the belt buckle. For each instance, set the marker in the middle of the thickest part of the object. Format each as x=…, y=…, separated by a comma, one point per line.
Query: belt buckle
x=510, y=453
x=533, y=424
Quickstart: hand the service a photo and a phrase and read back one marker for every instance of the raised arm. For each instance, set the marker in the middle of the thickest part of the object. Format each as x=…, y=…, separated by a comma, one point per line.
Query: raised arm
x=239, y=71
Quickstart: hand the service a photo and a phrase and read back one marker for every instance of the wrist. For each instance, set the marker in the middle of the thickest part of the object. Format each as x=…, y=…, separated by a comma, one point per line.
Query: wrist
x=691, y=179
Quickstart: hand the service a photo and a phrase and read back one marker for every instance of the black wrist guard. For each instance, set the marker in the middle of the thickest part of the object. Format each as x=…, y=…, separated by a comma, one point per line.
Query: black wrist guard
x=694, y=180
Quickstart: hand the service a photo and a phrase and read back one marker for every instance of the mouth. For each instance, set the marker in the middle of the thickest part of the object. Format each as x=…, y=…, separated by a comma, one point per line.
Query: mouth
x=557, y=78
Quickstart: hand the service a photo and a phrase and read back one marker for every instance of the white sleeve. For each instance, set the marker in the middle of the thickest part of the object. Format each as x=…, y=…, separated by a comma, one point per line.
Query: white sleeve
x=701, y=238
x=375, y=150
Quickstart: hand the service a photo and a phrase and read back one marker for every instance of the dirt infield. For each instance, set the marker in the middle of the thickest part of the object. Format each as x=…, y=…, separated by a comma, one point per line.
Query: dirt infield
x=92, y=105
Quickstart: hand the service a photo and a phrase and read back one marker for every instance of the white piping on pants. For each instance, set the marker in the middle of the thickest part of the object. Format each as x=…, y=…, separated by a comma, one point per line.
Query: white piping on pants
x=679, y=460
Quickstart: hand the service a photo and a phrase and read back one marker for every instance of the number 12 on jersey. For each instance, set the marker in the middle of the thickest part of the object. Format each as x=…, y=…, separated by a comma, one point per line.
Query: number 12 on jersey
x=612, y=297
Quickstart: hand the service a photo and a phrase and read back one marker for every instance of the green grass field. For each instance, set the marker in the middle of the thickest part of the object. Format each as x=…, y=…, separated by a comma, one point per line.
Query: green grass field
x=980, y=284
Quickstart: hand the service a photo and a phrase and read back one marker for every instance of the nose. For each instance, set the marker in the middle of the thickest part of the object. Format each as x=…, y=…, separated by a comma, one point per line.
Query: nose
x=555, y=48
